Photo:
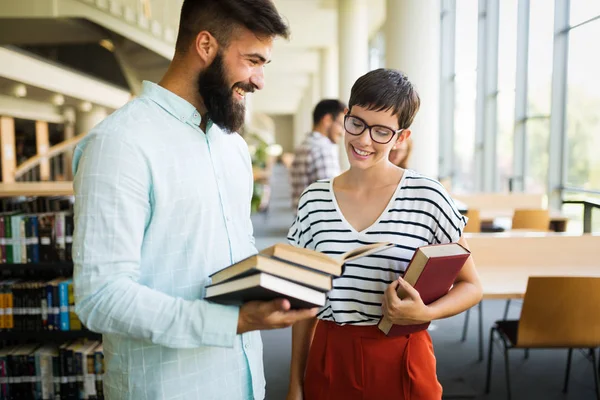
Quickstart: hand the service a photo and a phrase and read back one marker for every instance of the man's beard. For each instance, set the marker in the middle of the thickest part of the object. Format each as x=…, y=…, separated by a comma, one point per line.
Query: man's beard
x=222, y=108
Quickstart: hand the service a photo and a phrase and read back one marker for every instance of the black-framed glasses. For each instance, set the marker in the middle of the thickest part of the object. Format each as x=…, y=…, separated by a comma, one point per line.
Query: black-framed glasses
x=379, y=133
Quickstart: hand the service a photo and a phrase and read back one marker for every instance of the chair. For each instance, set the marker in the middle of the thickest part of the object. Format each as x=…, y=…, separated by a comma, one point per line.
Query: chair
x=474, y=222
x=558, y=312
x=534, y=219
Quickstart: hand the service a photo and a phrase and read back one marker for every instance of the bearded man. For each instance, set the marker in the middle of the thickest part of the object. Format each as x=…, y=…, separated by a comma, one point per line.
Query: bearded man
x=163, y=189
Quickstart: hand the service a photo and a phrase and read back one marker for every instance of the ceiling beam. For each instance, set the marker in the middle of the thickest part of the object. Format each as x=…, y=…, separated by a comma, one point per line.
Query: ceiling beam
x=33, y=71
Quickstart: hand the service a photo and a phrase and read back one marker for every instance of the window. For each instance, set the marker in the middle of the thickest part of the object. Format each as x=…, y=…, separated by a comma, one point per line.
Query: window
x=583, y=103
x=465, y=86
x=507, y=65
x=539, y=91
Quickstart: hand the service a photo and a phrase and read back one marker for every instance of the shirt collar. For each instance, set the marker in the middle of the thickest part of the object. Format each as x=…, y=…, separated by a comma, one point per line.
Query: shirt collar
x=170, y=102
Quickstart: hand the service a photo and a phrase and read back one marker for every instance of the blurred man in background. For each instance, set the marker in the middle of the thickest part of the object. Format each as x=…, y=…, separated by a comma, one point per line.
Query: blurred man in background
x=317, y=157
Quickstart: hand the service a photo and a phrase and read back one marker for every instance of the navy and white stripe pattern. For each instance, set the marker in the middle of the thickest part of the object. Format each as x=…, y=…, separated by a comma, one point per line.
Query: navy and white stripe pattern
x=419, y=213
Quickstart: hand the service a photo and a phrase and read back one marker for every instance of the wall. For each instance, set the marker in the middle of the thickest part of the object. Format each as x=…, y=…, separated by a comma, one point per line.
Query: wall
x=284, y=131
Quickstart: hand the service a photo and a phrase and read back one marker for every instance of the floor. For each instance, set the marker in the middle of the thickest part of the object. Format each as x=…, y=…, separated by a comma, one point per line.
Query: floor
x=462, y=376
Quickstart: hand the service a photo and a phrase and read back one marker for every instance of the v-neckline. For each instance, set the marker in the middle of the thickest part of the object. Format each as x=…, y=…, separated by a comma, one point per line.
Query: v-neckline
x=383, y=213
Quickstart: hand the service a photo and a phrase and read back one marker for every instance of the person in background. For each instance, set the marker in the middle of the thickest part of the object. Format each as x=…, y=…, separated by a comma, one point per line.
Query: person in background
x=162, y=200
x=317, y=157
x=400, y=156
x=341, y=354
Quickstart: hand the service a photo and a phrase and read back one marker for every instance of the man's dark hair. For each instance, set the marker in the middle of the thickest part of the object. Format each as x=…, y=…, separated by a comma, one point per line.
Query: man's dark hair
x=387, y=89
x=325, y=107
x=222, y=17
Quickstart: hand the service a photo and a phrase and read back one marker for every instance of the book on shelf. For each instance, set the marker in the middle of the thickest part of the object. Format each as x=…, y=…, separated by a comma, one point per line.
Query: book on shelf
x=68, y=370
x=35, y=238
x=283, y=271
x=432, y=272
x=37, y=306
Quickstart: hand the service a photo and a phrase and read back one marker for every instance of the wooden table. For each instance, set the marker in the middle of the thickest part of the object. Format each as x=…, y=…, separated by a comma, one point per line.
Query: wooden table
x=510, y=282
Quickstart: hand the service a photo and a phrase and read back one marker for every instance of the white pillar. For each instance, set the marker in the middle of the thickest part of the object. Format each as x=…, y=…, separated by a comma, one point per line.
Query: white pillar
x=86, y=120
x=412, y=36
x=330, y=73
x=303, y=117
x=353, y=38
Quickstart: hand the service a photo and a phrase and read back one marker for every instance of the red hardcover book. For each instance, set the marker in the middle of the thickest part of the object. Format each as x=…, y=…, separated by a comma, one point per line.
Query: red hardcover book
x=432, y=272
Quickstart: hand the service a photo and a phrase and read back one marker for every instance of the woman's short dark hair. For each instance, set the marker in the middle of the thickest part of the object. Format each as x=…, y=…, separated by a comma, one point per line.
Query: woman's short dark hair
x=387, y=89
x=222, y=17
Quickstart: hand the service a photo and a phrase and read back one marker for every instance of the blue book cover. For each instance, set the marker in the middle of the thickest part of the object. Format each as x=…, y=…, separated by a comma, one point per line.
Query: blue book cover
x=63, y=303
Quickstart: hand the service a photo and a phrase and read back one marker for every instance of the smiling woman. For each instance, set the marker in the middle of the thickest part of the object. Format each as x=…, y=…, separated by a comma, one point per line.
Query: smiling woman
x=375, y=201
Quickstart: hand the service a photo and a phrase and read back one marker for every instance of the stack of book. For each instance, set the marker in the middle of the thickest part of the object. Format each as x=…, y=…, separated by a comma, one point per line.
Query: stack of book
x=300, y=275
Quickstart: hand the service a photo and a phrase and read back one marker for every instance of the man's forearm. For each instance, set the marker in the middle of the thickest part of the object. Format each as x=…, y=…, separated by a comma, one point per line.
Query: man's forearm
x=125, y=307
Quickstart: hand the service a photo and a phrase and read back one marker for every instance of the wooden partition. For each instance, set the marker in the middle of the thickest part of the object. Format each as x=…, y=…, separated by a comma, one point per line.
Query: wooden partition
x=486, y=202
x=8, y=149
x=42, y=143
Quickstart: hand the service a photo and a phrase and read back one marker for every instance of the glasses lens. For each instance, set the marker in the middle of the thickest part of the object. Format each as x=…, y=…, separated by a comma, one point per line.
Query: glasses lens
x=353, y=125
x=381, y=134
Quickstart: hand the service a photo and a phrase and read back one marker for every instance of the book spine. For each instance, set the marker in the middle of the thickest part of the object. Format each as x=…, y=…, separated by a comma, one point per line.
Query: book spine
x=2, y=240
x=63, y=302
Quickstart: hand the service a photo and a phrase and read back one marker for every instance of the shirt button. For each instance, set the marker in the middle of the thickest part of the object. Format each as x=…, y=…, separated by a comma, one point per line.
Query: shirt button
x=247, y=346
x=228, y=219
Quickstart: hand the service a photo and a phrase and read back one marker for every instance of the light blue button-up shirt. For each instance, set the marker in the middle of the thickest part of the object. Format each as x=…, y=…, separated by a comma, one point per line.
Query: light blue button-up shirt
x=159, y=206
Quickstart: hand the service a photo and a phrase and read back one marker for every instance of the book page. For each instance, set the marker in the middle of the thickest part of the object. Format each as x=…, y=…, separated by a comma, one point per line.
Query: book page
x=365, y=251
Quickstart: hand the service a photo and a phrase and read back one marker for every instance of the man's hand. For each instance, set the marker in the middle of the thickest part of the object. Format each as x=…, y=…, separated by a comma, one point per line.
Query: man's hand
x=274, y=314
x=408, y=311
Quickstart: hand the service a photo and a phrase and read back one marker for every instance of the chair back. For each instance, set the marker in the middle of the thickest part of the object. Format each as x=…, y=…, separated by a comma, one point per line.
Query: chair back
x=474, y=222
x=561, y=312
x=534, y=219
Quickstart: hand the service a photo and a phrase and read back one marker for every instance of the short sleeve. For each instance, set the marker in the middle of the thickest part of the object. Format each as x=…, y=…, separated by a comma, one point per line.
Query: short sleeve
x=299, y=231
x=451, y=222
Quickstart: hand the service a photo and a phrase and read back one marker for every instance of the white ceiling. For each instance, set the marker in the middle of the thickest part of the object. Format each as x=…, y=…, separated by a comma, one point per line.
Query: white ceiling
x=146, y=33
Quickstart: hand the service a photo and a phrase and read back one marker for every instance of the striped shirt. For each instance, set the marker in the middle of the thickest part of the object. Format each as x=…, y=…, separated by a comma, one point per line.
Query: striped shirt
x=419, y=213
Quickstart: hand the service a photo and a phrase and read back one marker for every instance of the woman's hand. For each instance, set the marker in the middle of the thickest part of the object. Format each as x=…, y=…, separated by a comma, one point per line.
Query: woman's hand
x=408, y=311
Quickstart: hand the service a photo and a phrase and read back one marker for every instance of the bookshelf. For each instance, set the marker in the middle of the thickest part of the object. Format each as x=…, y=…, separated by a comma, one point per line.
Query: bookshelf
x=41, y=337
x=36, y=189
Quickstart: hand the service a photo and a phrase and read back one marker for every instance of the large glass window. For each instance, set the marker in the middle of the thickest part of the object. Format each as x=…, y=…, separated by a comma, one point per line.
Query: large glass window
x=583, y=10
x=539, y=90
x=583, y=105
x=507, y=66
x=465, y=87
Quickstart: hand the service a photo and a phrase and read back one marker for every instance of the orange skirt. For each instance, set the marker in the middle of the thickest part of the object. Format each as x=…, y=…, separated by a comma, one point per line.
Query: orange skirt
x=360, y=362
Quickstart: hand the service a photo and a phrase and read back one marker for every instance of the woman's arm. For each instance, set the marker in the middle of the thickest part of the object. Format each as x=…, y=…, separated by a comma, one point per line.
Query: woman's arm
x=302, y=335
x=465, y=293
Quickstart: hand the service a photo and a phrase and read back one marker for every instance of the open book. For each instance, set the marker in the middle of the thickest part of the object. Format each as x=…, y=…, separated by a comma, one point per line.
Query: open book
x=283, y=271
x=319, y=261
